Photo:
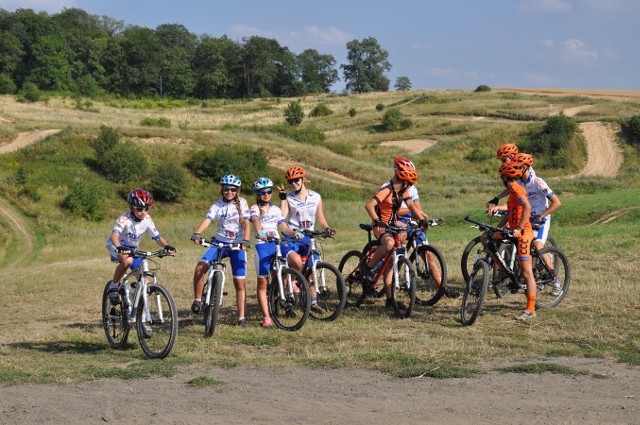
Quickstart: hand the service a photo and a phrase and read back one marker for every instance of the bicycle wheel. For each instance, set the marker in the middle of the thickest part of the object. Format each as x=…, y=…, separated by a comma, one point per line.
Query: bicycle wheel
x=157, y=323
x=114, y=321
x=330, y=290
x=431, y=276
x=548, y=296
x=350, y=268
x=403, y=295
x=469, y=257
x=474, y=293
x=291, y=313
x=500, y=281
x=367, y=252
x=212, y=310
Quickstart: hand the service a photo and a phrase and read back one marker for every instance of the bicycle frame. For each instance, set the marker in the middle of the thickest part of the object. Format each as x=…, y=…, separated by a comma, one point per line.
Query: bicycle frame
x=216, y=266
x=139, y=274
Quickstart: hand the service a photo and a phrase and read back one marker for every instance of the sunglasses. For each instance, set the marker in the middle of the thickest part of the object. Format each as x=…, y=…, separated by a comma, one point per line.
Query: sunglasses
x=230, y=189
x=140, y=209
x=292, y=181
x=265, y=192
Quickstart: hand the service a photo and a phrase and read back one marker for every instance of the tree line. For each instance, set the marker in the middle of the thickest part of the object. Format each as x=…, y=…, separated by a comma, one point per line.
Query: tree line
x=76, y=52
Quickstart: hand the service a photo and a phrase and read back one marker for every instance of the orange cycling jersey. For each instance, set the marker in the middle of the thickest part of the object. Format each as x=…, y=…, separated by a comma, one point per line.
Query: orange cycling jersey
x=389, y=202
x=517, y=195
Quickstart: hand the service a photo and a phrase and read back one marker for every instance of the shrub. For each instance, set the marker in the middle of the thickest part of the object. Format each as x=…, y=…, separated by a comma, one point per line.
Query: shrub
x=552, y=142
x=321, y=110
x=124, y=163
x=482, y=88
x=86, y=200
x=478, y=155
x=108, y=138
x=7, y=86
x=244, y=162
x=379, y=107
x=168, y=182
x=392, y=120
x=293, y=114
x=342, y=148
x=29, y=93
x=155, y=122
x=632, y=128
x=307, y=134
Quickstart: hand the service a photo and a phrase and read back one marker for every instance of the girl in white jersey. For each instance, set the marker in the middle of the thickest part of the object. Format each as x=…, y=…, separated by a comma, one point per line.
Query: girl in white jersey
x=267, y=219
x=302, y=208
x=129, y=229
x=232, y=214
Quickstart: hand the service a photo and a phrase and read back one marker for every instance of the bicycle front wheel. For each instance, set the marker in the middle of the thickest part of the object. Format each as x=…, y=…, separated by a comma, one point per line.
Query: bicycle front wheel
x=114, y=321
x=552, y=273
x=403, y=294
x=431, y=274
x=351, y=272
x=212, y=310
x=468, y=257
x=157, y=323
x=474, y=293
x=292, y=312
x=330, y=290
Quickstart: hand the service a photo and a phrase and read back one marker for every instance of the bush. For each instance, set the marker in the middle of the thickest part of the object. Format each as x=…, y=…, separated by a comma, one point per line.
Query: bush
x=307, y=134
x=29, y=93
x=86, y=200
x=392, y=120
x=352, y=112
x=155, y=122
x=552, y=142
x=483, y=88
x=293, y=114
x=321, y=110
x=107, y=139
x=632, y=128
x=7, y=86
x=379, y=107
x=124, y=163
x=169, y=182
x=244, y=162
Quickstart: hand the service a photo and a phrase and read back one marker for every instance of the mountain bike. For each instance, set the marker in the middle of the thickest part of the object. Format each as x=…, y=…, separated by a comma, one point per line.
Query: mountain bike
x=143, y=301
x=545, y=275
x=429, y=263
x=403, y=292
x=287, y=292
x=467, y=260
x=327, y=279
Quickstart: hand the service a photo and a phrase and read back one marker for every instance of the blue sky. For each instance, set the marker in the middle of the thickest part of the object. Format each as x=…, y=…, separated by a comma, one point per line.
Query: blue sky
x=444, y=44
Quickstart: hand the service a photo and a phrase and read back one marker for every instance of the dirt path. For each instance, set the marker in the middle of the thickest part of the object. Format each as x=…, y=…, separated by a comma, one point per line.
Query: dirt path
x=25, y=139
x=23, y=239
x=604, y=155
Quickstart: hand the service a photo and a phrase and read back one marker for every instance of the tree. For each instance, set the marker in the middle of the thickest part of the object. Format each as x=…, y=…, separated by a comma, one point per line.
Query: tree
x=217, y=69
x=367, y=64
x=318, y=71
x=293, y=114
x=403, y=83
x=179, y=49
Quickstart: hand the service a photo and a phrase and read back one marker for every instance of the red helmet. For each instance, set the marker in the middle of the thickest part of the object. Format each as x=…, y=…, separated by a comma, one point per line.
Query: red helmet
x=139, y=198
x=524, y=158
x=407, y=174
x=511, y=169
x=508, y=149
x=400, y=163
x=295, y=172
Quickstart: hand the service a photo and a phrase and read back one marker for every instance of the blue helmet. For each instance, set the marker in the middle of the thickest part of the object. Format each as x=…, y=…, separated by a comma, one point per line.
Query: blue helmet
x=231, y=180
x=262, y=183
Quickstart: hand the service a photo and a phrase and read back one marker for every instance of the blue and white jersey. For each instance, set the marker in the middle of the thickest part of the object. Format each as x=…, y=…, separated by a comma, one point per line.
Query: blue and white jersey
x=538, y=193
x=131, y=230
x=230, y=229
x=302, y=214
x=270, y=217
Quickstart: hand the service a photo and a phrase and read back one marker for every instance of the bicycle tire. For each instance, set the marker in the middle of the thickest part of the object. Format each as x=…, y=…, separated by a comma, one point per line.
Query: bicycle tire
x=500, y=281
x=428, y=292
x=474, y=293
x=292, y=313
x=366, y=252
x=212, y=310
x=114, y=321
x=162, y=317
x=544, y=286
x=405, y=291
x=350, y=267
x=331, y=293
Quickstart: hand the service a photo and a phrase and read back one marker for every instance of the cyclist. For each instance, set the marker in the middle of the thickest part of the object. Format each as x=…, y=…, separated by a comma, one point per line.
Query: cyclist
x=129, y=229
x=302, y=207
x=519, y=220
x=543, y=202
x=267, y=218
x=232, y=214
x=383, y=209
x=404, y=215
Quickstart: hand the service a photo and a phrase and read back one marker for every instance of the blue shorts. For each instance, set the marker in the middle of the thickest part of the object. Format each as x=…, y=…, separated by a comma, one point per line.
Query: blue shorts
x=113, y=253
x=238, y=258
x=300, y=246
x=265, y=252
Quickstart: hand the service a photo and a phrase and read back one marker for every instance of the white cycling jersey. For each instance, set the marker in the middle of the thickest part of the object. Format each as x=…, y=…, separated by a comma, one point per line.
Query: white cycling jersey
x=302, y=213
x=230, y=230
x=538, y=193
x=270, y=220
x=132, y=230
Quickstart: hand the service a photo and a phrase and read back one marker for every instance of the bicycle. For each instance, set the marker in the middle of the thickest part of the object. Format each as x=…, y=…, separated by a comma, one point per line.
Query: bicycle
x=146, y=303
x=466, y=261
x=287, y=292
x=404, y=279
x=544, y=275
x=327, y=279
x=430, y=281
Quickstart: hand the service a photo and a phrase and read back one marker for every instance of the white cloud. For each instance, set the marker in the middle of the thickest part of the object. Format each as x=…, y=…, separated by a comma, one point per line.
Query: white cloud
x=49, y=6
x=575, y=51
x=548, y=43
x=309, y=36
x=545, y=6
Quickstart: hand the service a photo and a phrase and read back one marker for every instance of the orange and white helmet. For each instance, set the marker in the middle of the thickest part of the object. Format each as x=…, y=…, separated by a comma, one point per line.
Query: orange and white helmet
x=407, y=174
x=507, y=150
x=295, y=172
x=524, y=158
x=399, y=163
x=511, y=169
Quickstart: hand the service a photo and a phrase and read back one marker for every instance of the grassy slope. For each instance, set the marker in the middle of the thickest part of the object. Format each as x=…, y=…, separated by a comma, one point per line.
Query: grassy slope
x=64, y=285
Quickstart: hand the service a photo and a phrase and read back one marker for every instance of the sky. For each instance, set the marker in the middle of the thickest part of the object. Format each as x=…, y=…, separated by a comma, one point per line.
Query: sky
x=437, y=44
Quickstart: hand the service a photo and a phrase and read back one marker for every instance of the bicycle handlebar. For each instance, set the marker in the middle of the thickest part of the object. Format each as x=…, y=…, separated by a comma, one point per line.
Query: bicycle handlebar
x=507, y=233
x=233, y=246
x=149, y=254
x=317, y=233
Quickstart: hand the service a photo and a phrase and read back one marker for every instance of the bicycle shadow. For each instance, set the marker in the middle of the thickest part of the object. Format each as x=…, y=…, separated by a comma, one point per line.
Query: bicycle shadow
x=58, y=347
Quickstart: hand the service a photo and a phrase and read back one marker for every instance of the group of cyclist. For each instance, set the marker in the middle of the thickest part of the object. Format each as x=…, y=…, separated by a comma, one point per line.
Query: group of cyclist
x=397, y=200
